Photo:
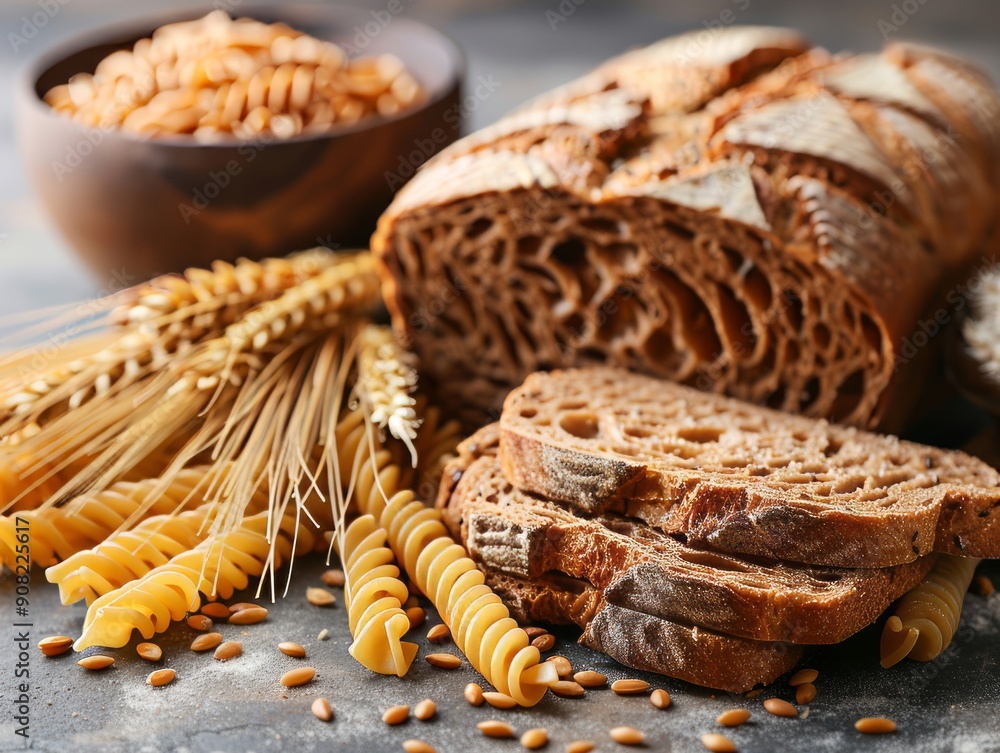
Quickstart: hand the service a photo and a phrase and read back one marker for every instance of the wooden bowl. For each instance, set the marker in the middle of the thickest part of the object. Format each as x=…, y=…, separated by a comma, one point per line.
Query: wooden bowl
x=140, y=207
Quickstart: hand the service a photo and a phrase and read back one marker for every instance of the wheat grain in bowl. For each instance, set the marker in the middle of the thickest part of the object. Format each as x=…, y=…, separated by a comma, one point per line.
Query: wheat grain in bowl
x=216, y=77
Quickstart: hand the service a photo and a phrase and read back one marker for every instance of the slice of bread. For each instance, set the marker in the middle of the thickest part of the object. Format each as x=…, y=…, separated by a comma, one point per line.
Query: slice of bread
x=631, y=565
x=649, y=643
x=734, y=477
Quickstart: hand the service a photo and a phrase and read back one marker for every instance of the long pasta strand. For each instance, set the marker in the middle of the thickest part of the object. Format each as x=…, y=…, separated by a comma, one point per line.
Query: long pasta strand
x=217, y=567
x=927, y=618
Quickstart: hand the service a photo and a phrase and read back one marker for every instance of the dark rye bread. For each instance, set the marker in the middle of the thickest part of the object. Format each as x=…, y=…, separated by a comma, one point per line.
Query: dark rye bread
x=737, y=211
x=649, y=643
x=633, y=566
x=734, y=477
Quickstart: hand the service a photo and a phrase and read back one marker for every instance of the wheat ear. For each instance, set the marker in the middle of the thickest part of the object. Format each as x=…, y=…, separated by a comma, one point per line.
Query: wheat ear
x=386, y=381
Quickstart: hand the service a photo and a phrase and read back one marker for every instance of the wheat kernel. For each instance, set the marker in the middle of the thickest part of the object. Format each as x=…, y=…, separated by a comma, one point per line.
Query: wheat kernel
x=161, y=677
x=396, y=715
x=200, y=623
x=733, y=717
x=443, y=661
x=149, y=651
x=323, y=635
x=411, y=602
x=320, y=597
x=630, y=687
x=535, y=632
x=216, y=610
x=591, y=679
x=563, y=666
x=544, y=642
x=240, y=606
x=627, y=736
x=425, y=710
x=779, y=707
x=439, y=634
x=580, y=746
x=296, y=677
x=535, y=738
x=567, y=689
x=322, y=710
x=803, y=676
x=983, y=585
x=417, y=746
x=805, y=693
x=416, y=616
x=248, y=616
x=229, y=650
x=875, y=725
x=718, y=743
x=499, y=700
x=474, y=694
x=55, y=645
x=206, y=641
x=334, y=578
x=95, y=662
x=493, y=728
x=290, y=648
x=660, y=698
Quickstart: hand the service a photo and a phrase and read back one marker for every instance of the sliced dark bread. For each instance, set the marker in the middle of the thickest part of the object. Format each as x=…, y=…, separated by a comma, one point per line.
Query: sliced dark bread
x=735, y=477
x=636, y=567
x=645, y=642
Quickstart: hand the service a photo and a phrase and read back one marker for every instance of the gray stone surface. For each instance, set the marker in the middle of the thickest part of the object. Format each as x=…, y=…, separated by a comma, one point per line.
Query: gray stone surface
x=949, y=705
x=238, y=706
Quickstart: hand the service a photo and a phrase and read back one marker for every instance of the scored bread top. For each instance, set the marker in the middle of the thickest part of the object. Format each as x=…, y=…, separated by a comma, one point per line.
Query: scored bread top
x=735, y=477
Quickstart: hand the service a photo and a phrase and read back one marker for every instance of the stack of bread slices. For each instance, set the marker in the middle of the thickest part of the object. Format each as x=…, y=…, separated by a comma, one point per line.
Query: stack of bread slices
x=699, y=536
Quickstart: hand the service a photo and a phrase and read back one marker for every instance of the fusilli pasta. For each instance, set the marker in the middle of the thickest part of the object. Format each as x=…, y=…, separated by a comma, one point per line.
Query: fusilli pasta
x=216, y=76
x=927, y=617
x=217, y=567
x=480, y=624
x=60, y=532
x=374, y=596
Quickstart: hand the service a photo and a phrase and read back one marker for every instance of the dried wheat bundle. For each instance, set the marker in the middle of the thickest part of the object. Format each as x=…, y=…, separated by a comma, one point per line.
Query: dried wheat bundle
x=165, y=318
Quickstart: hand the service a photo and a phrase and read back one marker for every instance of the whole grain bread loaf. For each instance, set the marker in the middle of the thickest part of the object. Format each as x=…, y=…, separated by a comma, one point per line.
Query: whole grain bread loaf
x=735, y=477
x=630, y=565
x=743, y=213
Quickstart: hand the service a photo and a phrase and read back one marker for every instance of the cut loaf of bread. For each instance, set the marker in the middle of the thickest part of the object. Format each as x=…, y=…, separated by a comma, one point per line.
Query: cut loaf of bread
x=734, y=477
x=741, y=213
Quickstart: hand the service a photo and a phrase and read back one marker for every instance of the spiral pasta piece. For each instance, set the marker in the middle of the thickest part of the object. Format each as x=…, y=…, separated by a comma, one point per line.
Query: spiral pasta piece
x=131, y=554
x=216, y=568
x=927, y=618
x=60, y=532
x=480, y=624
x=374, y=597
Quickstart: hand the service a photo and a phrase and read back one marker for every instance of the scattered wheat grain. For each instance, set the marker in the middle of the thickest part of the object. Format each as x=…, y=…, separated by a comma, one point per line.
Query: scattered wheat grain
x=396, y=715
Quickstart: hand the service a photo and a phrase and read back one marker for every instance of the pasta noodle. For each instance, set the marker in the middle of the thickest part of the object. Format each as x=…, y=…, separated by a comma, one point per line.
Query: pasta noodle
x=480, y=624
x=131, y=554
x=216, y=76
x=374, y=597
x=217, y=567
x=927, y=618
x=60, y=532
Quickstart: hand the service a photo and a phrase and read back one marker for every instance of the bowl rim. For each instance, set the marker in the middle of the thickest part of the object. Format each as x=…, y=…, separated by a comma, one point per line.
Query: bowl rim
x=142, y=24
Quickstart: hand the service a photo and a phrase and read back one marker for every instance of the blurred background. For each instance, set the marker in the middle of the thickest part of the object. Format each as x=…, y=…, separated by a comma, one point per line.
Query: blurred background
x=521, y=48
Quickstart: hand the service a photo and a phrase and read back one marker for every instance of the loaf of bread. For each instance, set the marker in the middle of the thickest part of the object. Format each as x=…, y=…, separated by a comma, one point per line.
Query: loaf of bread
x=744, y=214
x=735, y=477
